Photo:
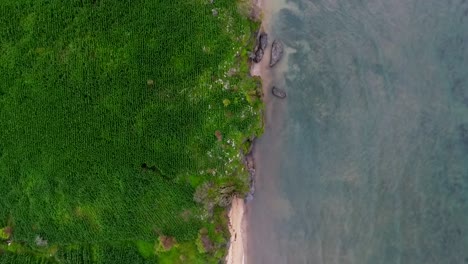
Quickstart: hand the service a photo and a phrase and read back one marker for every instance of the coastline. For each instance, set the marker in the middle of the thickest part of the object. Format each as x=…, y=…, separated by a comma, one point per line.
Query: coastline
x=208, y=232
x=237, y=211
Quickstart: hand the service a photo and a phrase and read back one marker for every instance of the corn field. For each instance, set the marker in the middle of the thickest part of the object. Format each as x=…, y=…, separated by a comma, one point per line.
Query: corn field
x=108, y=113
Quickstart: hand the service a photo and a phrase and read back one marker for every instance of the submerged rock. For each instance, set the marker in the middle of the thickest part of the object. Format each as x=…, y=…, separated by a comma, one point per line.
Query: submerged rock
x=263, y=41
x=276, y=52
x=278, y=92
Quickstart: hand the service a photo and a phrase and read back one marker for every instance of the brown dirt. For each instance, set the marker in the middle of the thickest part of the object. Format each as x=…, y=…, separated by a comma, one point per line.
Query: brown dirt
x=167, y=242
x=218, y=135
x=8, y=230
x=207, y=243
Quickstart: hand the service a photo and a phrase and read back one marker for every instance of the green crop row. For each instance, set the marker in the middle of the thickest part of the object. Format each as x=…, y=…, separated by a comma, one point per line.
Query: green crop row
x=112, y=113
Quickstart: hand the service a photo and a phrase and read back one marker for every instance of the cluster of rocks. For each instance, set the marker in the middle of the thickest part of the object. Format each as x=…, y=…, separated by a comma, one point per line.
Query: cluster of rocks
x=262, y=43
x=250, y=164
x=276, y=54
x=256, y=56
x=277, y=50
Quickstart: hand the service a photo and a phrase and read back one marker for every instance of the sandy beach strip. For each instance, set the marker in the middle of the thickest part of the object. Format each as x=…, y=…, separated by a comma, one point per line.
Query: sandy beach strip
x=236, y=228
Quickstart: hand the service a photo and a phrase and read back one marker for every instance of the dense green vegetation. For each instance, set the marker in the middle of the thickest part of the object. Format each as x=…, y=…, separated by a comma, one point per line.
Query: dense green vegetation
x=112, y=113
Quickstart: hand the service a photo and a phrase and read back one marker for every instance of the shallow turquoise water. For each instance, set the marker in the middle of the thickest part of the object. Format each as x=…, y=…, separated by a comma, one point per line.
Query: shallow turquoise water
x=368, y=160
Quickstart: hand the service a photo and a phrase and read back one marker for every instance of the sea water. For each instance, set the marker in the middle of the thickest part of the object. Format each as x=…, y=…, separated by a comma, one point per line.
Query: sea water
x=366, y=160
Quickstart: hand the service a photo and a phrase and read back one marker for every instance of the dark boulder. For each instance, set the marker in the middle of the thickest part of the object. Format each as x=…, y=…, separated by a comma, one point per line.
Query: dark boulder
x=278, y=92
x=276, y=52
x=263, y=41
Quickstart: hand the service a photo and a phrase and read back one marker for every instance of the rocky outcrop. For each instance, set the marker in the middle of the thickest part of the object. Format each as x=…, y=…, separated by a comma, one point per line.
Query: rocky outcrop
x=258, y=56
x=276, y=52
x=250, y=165
x=259, y=51
x=278, y=92
x=249, y=162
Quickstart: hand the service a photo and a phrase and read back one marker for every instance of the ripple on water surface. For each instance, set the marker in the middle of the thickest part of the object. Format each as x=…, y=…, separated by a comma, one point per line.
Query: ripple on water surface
x=370, y=163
